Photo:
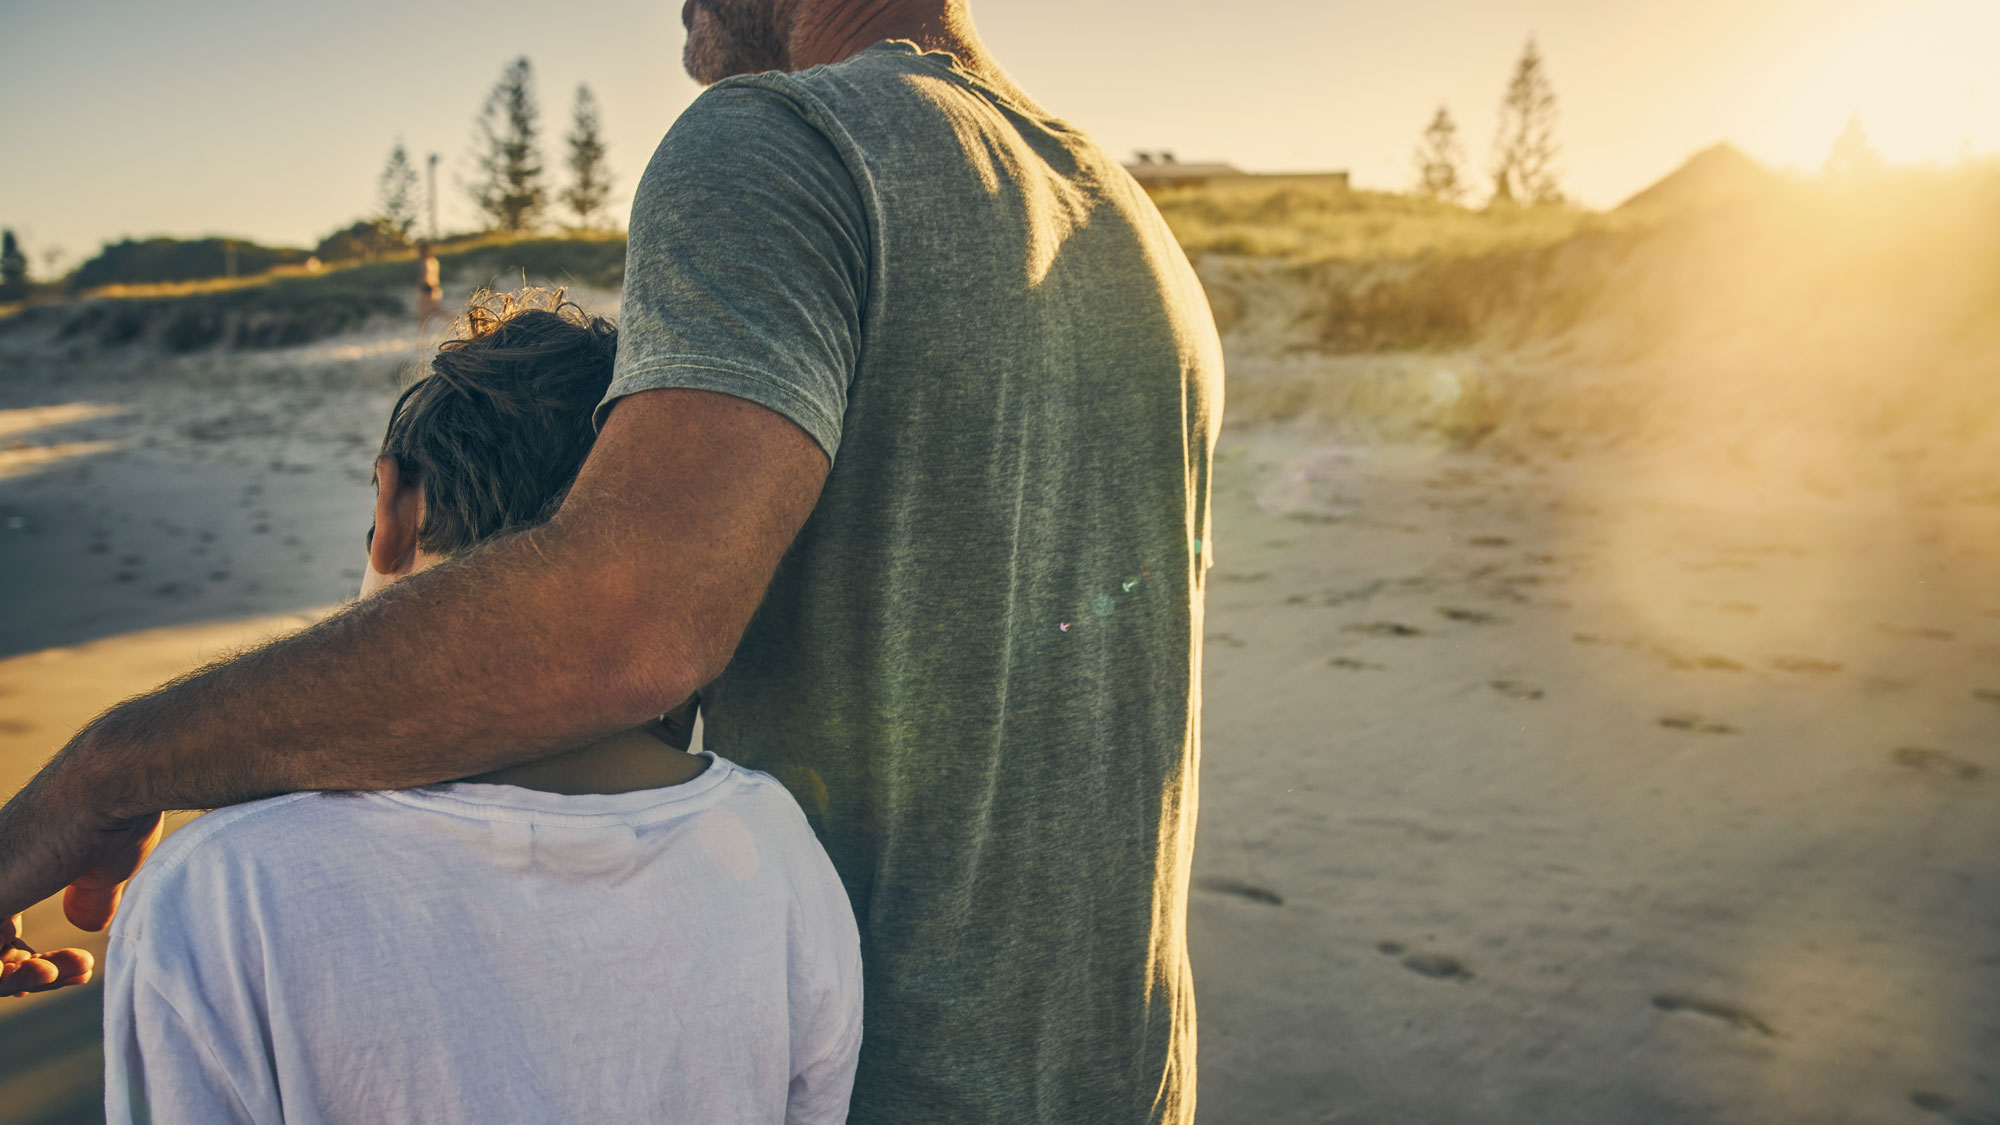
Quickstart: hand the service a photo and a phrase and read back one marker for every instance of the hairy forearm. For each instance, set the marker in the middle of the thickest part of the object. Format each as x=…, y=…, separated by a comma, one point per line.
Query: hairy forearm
x=614, y=612
x=512, y=652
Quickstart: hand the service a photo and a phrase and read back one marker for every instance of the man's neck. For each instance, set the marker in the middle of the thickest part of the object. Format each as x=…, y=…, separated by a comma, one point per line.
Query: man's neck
x=624, y=763
x=823, y=33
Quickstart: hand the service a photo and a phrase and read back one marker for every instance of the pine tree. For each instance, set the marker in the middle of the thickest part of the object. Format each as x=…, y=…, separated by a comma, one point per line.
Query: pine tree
x=13, y=267
x=509, y=190
x=1853, y=156
x=590, y=185
x=1439, y=159
x=397, y=193
x=1524, y=147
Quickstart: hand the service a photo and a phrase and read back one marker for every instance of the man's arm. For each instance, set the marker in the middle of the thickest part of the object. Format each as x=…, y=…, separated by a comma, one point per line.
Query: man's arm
x=623, y=605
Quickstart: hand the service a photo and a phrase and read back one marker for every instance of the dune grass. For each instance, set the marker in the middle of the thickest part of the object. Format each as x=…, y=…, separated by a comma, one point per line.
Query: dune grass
x=1845, y=326
x=1309, y=223
x=292, y=305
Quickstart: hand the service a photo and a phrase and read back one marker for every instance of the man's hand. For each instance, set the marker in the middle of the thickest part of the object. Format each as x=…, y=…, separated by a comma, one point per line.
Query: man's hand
x=45, y=839
x=22, y=970
x=116, y=851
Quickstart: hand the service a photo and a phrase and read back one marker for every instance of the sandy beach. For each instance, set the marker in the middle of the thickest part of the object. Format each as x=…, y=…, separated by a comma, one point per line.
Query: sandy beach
x=1602, y=788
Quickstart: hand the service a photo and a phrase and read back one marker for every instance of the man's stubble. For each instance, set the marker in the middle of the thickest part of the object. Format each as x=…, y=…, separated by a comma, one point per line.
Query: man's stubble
x=730, y=37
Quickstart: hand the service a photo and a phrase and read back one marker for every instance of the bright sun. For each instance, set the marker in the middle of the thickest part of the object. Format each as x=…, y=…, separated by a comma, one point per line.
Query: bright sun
x=1920, y=75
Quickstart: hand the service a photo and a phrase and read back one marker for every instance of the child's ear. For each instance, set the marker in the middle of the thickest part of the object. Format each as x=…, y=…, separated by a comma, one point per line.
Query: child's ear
x=398, y=511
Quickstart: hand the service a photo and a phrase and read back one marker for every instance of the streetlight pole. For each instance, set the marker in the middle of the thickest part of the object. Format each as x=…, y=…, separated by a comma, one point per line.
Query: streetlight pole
x=433, y=193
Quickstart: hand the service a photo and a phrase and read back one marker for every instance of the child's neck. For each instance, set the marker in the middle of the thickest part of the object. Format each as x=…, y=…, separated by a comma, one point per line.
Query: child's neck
x=623, y=763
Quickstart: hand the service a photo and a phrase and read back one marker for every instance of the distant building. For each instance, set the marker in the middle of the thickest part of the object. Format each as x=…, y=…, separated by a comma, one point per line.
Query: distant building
x=1156, y=170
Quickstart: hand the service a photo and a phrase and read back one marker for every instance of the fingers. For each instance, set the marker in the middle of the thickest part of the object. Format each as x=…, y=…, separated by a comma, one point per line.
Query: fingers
x=91, y=907
x=23, y=971
x=73, y=966
x=92, y=898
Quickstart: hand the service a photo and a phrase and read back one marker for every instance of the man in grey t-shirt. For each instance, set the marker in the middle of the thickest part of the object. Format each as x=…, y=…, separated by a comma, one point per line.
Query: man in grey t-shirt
x=907, y=460
x=975, y=667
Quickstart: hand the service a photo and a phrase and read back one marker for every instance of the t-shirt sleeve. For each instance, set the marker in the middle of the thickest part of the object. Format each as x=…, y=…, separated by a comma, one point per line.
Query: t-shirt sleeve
x=166, y=1060
x=747, y=266
x=157, y=1064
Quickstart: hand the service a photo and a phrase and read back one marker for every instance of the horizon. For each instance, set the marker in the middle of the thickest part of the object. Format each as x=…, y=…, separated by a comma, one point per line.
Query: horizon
x=1640, y=90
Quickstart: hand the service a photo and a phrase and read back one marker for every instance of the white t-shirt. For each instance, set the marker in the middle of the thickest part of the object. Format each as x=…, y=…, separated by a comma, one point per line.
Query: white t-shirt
x=486, y=953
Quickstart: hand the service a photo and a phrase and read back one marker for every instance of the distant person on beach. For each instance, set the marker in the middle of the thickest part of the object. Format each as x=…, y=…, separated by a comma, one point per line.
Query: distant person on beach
x=430, y=294
x=625, y=932
x=905, y=468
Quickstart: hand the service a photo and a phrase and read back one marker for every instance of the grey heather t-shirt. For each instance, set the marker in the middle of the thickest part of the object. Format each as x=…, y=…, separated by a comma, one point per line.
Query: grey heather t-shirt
x=977, y=668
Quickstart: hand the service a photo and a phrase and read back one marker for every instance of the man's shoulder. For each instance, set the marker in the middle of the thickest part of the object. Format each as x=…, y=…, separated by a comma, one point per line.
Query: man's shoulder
x=886, y=64
x=821, y=97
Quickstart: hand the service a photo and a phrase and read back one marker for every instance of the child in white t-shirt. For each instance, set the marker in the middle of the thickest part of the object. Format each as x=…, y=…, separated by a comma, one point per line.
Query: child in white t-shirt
x=626, y=932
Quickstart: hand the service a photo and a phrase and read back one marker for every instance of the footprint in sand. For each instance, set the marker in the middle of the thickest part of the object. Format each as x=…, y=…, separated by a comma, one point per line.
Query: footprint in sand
x=1947, y=1107
x=1805, y=664
x=1468, y=616
x=1243, y=890
x=1697, y=724
x=1383, y=629
x=1352, y=664
x=1514, y=689
x=1490, y=541
x=1988, y=696
x=1707, y=662
x=1917, y=632
x=1437, y=966
x=1727, y=1013
x=1937, y=763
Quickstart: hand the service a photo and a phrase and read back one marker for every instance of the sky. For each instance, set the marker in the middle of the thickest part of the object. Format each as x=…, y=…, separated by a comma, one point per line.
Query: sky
x=272, y=121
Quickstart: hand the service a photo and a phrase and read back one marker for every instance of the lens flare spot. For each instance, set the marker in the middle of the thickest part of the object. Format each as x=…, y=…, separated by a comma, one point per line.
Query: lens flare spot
x=728, y=843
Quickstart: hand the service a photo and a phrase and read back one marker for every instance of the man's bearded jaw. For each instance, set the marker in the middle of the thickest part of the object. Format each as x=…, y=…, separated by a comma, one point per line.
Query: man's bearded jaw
x=731, y=37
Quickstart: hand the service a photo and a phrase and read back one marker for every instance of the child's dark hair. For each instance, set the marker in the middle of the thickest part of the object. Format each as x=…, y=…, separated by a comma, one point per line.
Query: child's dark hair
x=495, y=434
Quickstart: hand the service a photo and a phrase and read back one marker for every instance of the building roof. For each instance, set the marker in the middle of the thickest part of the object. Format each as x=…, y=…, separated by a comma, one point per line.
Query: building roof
x=1163, y=167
